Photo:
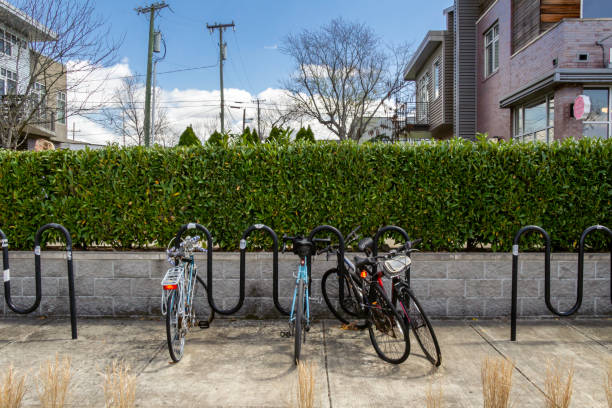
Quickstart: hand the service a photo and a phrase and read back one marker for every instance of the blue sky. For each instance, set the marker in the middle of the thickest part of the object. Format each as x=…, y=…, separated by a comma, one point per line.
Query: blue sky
x=253, y=63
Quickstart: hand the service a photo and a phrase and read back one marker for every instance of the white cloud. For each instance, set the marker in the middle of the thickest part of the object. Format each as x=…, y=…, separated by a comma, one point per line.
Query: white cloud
x=271, y=47
x=185, y=107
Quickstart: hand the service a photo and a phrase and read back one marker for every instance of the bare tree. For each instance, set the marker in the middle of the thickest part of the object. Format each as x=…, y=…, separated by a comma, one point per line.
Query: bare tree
x=66, y=38
x=124, y=115
x=281, y=113
x=343, y=75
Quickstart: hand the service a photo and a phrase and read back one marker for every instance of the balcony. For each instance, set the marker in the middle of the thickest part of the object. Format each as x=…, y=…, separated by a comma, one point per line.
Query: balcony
x=17, y=109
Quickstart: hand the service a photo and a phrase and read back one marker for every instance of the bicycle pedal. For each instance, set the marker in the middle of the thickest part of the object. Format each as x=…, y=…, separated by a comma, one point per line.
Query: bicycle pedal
x=317, y=300
x=285, y=334
x=203, y=324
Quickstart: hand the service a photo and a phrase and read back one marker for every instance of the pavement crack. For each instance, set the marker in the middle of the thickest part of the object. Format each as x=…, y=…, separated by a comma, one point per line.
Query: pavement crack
x=161, y=346
x=490, y=343
x=585, y=334
x=326, y=365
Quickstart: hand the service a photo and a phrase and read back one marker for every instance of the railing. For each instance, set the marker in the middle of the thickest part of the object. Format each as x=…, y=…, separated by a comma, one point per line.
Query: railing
x=27, y=106
x=547, y=299
x=37, y=272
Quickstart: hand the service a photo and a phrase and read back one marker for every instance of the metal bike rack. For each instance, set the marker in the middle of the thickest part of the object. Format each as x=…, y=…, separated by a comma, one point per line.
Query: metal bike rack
x=341, y=248
x=37, y=266
x=379, y=234
x=579, y=278
x=243, y=244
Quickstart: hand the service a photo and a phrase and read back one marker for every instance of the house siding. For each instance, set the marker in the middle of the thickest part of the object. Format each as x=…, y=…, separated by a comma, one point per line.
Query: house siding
x=525, y=19
x=449, y=62
x=18, y=61
x=466, y=15
x=491, y=119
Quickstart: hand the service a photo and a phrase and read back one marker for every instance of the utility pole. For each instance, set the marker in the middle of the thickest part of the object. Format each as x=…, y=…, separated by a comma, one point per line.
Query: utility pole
x=258, y=101
x=152, y=9
x=222, y=53
x=74, y=130
x=243, y=118
x=157, y=49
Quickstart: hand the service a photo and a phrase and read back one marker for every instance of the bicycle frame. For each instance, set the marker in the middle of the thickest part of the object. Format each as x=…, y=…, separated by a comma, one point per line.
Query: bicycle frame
x=301, y=275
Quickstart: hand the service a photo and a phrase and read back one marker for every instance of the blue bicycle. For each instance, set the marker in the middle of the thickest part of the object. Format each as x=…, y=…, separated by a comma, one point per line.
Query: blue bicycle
x=299, y=319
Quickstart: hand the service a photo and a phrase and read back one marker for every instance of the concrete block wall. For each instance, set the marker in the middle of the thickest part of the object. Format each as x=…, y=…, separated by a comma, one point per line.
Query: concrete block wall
x=449, y=285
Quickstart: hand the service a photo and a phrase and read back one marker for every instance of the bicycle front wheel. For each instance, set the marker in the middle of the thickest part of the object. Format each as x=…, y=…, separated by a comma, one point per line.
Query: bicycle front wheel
x=299, y=317
x=420, y=325
x=339, y=297
x=175, y=327
x=388, y=332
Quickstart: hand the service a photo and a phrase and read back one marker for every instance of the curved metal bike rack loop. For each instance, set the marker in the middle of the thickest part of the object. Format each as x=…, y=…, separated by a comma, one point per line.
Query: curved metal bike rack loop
x=388, y=228
x=243, y=244
x=37, y=267
x=341, y=248
x=579, y=278
x=209, y=262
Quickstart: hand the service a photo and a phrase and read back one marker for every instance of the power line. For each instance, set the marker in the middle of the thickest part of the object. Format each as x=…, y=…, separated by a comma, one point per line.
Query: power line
x=141, y=75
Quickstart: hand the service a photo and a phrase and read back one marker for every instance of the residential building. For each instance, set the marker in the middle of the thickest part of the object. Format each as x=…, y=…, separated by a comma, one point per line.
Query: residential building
x=519, y=65
x=18, y=66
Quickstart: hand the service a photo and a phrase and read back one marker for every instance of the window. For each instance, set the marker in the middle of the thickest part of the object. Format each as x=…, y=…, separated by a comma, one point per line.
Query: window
x=491, y=50
x=596, y=8
x=535, y=121
x=422, y=96
x=40, y=96
x=598, y=122
x=61, y=107
x=436, y=78
x=8, y=81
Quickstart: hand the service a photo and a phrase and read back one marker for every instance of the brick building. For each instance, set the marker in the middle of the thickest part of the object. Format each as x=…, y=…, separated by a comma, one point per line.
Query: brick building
x=513, y=68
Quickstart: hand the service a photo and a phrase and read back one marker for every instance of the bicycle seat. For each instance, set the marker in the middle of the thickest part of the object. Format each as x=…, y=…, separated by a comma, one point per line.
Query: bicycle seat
x=359, y=261
x=365, y=243
x=303, y=247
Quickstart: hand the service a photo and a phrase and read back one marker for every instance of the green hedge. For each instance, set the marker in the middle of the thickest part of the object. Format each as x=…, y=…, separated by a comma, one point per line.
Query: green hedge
x=448, y=193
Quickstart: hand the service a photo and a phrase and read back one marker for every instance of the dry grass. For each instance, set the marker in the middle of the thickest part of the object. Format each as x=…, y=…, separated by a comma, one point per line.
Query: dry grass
x=53, y=382
x=558, y=388
x=608, y=384
x=434, y=397
x=496, y=375
x=306, y=385
x=12, y=389
x=119, y=386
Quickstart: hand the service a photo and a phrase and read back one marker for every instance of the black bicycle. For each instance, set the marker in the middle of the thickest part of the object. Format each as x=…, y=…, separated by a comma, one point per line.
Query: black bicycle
x=343, y=295
x=361, y=297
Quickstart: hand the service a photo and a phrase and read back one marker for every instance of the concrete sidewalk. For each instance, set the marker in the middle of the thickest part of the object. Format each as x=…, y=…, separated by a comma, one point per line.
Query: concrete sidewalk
x=247, y=363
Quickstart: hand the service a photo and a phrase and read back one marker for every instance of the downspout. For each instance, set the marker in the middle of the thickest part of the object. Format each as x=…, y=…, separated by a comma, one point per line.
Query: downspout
x=603, y=51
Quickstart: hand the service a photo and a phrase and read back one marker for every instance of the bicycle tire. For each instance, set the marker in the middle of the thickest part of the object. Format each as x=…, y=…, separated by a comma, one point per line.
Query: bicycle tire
x=421, y=326
x=202, y=309
x=297, y=332
x=174, y=332
x=385, y=319
x=342, y=307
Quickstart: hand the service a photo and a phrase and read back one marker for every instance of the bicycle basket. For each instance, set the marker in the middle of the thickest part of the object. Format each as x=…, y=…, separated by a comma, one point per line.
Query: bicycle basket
x=396, y=265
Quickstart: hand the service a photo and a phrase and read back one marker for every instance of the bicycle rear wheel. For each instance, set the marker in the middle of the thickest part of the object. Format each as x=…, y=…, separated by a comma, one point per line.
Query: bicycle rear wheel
x=340, y=298
x=388, y=332
x=204, y=314
x=299, y=321
x=175, y=324
x=419, y=323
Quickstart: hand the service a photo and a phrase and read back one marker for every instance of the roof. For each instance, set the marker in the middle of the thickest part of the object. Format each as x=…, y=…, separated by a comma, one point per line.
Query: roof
x=430, y=43
x=554, y=77
x=24, y=23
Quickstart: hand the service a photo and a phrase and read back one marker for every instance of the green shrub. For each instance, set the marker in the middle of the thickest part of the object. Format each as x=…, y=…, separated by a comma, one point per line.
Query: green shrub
x=305, y=135
x=446, y=193
x=189, y=138
x=218, y=139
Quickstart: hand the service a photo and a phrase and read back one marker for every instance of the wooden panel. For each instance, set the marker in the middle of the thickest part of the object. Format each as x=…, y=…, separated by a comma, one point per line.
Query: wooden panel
x=553, y=11
x=525, y=22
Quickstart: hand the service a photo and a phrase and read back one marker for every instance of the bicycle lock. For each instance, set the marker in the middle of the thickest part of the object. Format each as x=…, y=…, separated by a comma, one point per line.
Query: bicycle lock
x=547, y=299
x=37, y=267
